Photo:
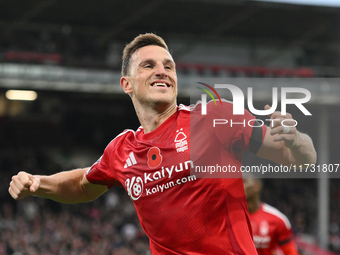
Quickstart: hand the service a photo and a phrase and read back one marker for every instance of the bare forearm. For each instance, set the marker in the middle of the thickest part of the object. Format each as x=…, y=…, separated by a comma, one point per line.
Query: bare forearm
x=64, y=187
x=298, y=151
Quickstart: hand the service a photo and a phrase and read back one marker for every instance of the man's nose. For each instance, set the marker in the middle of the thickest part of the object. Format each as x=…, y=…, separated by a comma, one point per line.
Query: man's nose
x=160, y=71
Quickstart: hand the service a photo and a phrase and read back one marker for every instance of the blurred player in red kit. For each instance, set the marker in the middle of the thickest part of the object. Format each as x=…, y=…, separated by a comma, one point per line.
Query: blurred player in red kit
x=180, y=213
x=272, y=231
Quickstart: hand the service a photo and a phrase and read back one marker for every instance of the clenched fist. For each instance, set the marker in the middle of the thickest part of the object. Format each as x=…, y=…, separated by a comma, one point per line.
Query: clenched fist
x=23, y=184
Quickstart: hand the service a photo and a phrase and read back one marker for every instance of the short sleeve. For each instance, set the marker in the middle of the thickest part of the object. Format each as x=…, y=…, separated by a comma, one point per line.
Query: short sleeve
x=101, y=171
x=284, y=231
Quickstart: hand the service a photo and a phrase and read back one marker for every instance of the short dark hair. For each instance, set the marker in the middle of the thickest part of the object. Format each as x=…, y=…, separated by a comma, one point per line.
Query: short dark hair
x=137, y=43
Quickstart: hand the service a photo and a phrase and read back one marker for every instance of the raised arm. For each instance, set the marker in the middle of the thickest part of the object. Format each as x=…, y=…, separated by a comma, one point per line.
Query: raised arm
x=66, y=187
x=286, y=146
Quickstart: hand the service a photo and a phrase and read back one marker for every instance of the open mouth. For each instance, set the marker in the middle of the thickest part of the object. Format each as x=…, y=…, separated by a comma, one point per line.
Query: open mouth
x=160, y=84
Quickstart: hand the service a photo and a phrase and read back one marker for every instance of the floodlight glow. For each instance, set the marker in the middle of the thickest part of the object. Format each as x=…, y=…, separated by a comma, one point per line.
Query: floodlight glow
x=26, y=95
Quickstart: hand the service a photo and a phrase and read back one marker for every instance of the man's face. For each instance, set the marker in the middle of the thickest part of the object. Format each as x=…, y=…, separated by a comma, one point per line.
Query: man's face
x=152, y=77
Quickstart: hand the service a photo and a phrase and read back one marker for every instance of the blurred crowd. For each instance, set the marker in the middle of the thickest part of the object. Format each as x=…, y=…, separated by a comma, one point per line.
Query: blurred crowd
x=36, y=226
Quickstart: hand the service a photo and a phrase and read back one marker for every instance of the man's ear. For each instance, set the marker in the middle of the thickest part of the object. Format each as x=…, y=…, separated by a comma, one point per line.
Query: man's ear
x=125, y=83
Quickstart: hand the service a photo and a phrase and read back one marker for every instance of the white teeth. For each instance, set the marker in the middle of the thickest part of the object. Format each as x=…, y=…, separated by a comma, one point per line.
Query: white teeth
x=160, y=84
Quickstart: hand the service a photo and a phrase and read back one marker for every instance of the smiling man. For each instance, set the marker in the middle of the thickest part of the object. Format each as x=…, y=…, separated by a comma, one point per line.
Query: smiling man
x=151, y=81
x=180, y=212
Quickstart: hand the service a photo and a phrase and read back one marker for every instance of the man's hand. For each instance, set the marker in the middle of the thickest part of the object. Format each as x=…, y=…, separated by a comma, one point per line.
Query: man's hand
x=286, y=145
x=288, y=134
x=22, y=185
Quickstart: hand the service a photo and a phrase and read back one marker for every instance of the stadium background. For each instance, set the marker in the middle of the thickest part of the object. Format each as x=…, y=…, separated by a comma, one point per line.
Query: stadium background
x=69, y=53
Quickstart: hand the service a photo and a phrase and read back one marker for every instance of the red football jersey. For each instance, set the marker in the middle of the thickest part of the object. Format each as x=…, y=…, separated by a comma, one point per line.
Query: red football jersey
x=271, y=229
x=162, y=171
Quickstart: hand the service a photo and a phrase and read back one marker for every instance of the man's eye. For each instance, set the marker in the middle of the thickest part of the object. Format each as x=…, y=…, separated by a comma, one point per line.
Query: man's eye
x=148, y=66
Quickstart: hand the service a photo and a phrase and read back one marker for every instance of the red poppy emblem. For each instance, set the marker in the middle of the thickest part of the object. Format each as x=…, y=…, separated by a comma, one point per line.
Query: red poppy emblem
x=154, y=157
